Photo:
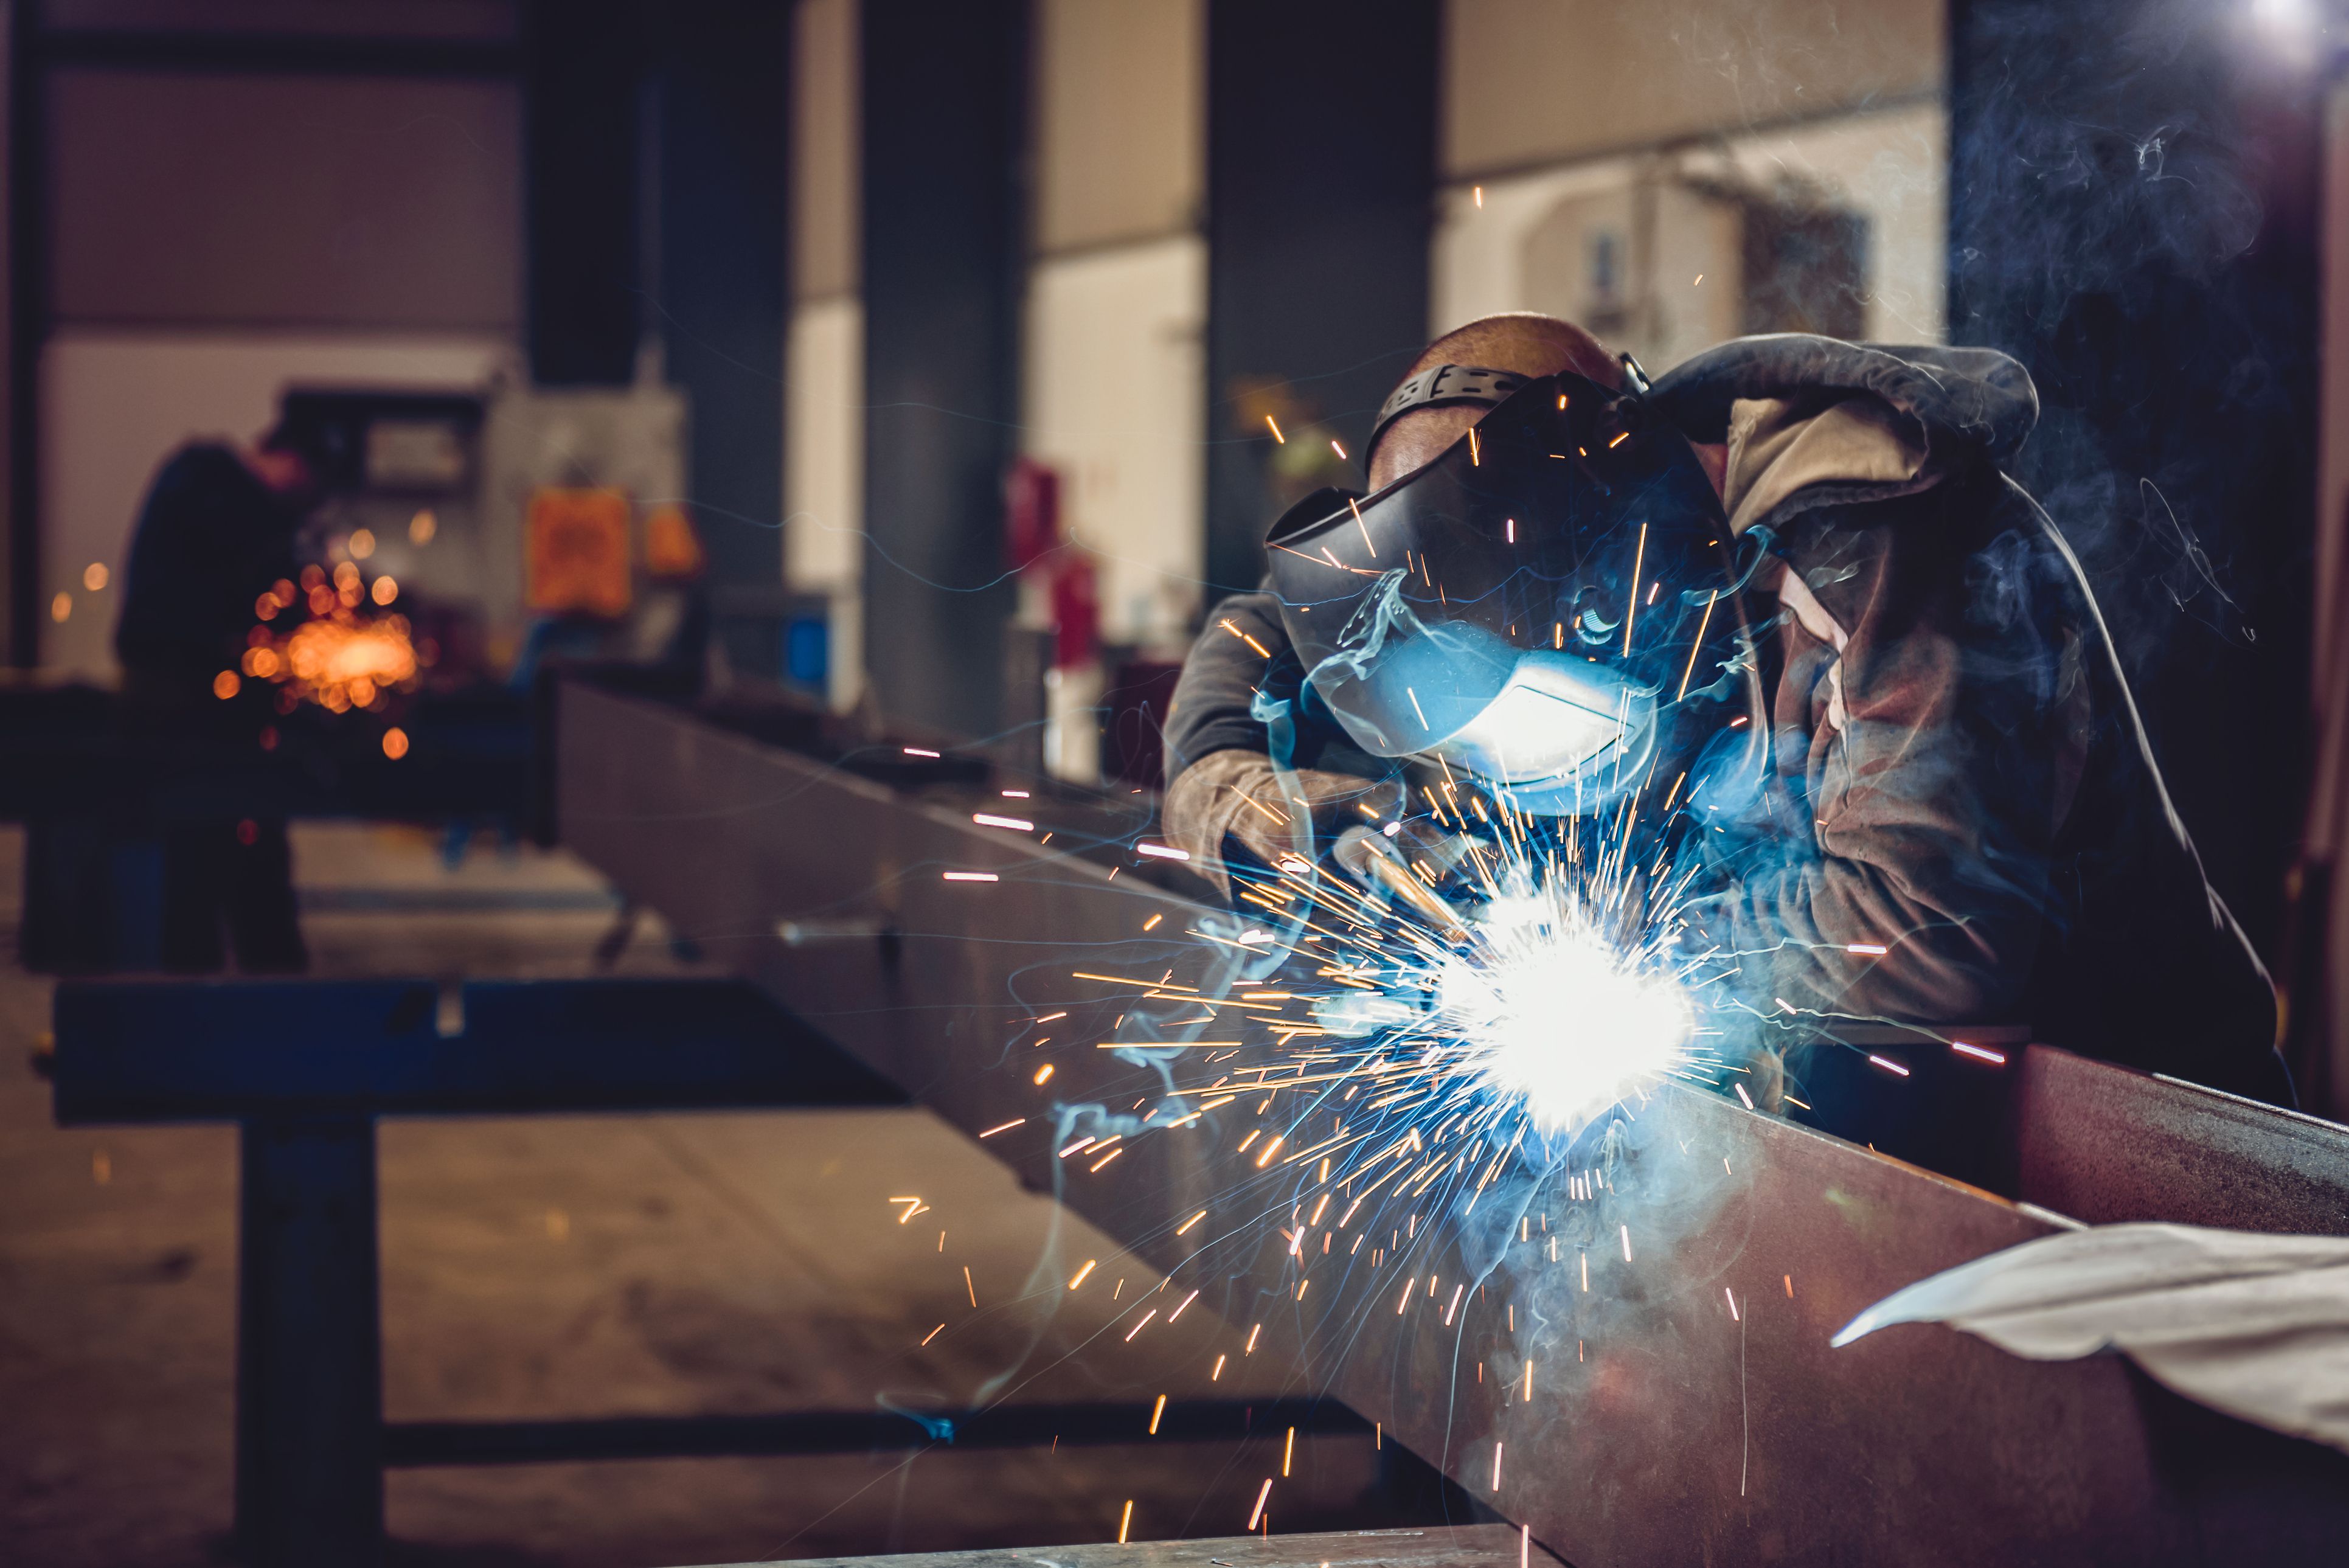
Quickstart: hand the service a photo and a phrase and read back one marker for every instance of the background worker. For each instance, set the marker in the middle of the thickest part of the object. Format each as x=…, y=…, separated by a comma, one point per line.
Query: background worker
x=218, y=527
x=1957, y=818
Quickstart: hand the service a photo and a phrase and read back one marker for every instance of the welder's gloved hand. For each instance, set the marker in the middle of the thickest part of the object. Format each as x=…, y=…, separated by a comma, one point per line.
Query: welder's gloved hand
x=1233, y=800
x=1419, y=845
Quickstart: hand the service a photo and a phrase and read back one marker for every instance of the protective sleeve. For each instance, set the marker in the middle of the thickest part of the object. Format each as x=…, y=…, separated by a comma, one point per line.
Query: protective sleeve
x=1895, y=859
x=1242, y=646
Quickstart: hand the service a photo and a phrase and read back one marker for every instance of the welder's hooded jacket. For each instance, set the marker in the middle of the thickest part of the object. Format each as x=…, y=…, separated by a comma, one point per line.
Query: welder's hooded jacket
x=1956, y=771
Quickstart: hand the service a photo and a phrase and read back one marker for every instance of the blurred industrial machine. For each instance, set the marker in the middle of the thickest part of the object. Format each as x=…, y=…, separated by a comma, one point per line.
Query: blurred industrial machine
x=500, y=510
x=467, y=543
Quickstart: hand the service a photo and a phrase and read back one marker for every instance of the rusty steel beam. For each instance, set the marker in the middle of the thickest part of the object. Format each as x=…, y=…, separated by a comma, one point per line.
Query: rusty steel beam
x=1686, y=1407
x=2106, y=1144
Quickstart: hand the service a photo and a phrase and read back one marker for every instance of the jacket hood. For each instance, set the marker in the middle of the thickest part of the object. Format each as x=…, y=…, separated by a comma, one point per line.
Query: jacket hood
x=1951, y=397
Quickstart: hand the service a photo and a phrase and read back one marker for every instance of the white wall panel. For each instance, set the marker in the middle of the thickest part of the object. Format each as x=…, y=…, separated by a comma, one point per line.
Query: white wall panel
x=1113, y=399
x=824, y=369
x=824, y=474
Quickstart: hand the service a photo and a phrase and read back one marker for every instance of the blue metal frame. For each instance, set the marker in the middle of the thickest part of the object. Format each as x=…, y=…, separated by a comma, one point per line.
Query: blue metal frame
x=255, y=1050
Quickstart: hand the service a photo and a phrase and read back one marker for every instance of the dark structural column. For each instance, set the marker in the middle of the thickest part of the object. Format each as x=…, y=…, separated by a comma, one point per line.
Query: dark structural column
x=1320, y=190
x=945, y=120
x=583, y=62
x=722, y=194
x=26, y=293
x=2134, y=213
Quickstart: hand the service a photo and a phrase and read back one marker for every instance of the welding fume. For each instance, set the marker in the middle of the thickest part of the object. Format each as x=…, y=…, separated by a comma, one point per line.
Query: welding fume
x=1766, y=671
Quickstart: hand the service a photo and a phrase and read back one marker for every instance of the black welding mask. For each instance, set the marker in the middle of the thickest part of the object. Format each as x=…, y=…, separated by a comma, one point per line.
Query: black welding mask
x=1539, y=607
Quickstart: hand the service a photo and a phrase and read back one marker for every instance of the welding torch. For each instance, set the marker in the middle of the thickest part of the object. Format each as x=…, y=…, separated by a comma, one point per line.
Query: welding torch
x=1374, y=860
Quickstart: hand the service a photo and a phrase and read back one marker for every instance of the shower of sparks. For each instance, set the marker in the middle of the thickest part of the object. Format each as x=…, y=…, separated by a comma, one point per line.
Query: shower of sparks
x=1436, y=1058
x=1381, y=1068
x=343, y=656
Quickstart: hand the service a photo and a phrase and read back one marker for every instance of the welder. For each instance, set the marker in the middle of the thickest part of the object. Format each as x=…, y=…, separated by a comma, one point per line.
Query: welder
x=218, y=529
x=1913, y=785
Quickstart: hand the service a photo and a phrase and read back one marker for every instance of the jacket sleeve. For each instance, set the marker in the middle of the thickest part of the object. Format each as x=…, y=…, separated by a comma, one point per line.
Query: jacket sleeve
x=1897, y=860
x=1242, y=642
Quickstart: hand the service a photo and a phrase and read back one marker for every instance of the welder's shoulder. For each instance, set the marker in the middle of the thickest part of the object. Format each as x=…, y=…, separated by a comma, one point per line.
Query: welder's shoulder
x=1962, y=403
x=1859, y=460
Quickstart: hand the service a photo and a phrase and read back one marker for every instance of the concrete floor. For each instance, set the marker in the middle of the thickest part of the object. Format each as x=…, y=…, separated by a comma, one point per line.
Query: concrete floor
x=572, y=1266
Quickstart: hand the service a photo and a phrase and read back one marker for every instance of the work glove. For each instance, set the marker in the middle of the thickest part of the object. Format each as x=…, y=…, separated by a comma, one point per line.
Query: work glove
x=1234, y=798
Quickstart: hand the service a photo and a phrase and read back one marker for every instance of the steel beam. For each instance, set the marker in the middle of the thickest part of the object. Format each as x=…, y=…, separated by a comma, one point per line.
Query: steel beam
x=2106, y=1144
x=1687, y=1407
x=1438, y=1546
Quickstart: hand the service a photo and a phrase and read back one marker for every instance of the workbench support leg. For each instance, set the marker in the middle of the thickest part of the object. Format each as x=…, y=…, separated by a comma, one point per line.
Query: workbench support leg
x=309, y=1383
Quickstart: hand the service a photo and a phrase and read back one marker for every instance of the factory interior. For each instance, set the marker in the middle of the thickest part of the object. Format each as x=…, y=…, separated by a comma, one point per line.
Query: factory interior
x=643, y=636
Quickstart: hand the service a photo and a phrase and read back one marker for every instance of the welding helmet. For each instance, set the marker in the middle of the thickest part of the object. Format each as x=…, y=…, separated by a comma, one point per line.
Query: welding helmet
x=1538, y=607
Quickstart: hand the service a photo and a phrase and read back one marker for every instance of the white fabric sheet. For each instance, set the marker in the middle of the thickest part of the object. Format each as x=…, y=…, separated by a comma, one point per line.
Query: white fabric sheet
x=2256, y=1325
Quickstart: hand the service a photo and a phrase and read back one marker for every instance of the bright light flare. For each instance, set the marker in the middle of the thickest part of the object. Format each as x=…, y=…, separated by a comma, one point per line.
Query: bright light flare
x=336, y=653
x=1548, y=1011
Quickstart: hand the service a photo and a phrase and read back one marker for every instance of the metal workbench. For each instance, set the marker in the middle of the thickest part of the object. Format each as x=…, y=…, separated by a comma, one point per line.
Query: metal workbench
x=1688, y=1410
